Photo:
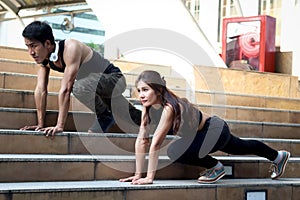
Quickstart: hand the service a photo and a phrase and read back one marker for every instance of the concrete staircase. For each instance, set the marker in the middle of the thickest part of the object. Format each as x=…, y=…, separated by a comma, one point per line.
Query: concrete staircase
x=78, y=165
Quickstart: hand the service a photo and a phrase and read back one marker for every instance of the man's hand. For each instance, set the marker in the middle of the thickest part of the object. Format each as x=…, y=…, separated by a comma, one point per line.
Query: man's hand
x=51, y=131
x=34, y=128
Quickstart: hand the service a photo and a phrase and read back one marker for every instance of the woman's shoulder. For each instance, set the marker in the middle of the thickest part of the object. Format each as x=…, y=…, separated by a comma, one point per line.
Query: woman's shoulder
x=168, y=107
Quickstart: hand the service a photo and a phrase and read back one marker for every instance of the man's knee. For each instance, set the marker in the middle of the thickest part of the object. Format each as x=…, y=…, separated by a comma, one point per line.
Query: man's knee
x=135, y=114
x=77, y=90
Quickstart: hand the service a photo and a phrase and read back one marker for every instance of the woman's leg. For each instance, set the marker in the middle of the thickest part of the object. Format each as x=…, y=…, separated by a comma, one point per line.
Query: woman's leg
x=186, y=151
x=239, y=146
x=178, y=153
x=194, y=148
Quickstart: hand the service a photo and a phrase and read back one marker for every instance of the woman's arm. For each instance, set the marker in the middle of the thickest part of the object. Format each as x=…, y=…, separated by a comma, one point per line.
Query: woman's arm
x=160, y=133
x=141, y=146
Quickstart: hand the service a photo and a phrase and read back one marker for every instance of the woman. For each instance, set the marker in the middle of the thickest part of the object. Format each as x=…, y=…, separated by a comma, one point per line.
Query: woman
x=199, y=133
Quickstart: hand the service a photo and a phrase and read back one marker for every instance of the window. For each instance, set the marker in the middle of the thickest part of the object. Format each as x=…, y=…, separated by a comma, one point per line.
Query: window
x=272, y=8
x=228, y=8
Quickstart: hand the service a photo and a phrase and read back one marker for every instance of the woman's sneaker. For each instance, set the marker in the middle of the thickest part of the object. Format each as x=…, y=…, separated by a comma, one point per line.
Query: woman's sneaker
x=277, y=168
x=212, y=175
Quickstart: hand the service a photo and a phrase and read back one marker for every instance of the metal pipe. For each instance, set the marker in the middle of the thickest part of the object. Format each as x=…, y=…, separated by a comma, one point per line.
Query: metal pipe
x=49, y=14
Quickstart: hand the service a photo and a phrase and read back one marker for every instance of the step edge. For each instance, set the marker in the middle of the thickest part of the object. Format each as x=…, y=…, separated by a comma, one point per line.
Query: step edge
x=126, y=135
x=116, y=158
x=115, y=185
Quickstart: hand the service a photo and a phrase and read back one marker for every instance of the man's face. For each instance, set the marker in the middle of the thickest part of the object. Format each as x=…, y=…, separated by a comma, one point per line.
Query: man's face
x=37, y=50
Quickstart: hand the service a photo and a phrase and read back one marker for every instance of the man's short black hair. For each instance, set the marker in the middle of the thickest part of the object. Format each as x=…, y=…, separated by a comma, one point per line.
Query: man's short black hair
x=40, y=31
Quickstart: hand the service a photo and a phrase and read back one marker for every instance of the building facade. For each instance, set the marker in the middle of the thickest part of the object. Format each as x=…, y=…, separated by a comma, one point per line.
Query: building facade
x=210, y=15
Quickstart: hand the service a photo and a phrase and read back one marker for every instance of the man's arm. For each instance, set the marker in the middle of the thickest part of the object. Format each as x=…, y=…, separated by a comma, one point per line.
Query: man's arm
x=40, y=97
x=72, y=59
x=65, y=95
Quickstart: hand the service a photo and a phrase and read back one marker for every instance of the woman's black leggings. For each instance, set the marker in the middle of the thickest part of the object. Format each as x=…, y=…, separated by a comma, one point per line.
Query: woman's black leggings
x=214, y=136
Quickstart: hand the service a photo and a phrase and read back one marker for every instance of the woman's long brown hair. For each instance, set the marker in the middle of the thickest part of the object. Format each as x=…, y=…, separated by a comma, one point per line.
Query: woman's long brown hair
x=158, y=84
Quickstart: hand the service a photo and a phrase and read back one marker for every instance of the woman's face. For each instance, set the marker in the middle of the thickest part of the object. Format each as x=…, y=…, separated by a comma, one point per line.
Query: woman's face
x=147, y=95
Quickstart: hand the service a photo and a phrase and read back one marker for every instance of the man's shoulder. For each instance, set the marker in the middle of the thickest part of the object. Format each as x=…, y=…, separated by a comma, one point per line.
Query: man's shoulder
x=72, y=42
x=74, y=46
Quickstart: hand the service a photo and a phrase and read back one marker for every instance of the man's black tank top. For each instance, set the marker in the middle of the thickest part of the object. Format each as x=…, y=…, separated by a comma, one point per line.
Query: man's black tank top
x=97, y=64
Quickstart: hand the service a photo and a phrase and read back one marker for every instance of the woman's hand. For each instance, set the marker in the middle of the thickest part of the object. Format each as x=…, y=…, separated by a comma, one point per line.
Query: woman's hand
x=137, y=180
x=142, y=181
x=131, y=178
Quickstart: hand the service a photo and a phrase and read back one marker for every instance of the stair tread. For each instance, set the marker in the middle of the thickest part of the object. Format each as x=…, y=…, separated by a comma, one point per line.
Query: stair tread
x=30, y=92
x=127, y=135
x=26, y=110
x=33, y=110
x=103, y=158
x=158, y=184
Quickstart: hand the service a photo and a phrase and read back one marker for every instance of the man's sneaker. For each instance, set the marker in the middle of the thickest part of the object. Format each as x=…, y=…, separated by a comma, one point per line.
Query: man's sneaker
x=212, y=175
x=278, y=168
x=135, y=114
x=102, y=123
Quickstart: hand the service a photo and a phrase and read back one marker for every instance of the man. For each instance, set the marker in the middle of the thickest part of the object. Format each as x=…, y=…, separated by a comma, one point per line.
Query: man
x=91, y=78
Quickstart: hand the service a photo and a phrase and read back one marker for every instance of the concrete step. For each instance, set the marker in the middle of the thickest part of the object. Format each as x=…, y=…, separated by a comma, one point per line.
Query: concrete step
x=12, y=118
x=14, y=53
x=31, y=68
x=264, y=129
x=255, y=114
x=33, y=142
x=44, y=167
x=260, y=101
x=246, y=82
x=19, y=81
x=207, y=78
x=25, y=99
x=23, y=67
x=202, y=97
x=26, y=82
x=175, y=189
x=19, y=54
x=224, y=189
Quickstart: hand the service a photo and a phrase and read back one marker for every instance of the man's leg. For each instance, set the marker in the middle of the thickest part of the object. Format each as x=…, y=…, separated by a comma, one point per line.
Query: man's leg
x=126, y=115
x=102, y=93
x=103, y=122
x=85, y=91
